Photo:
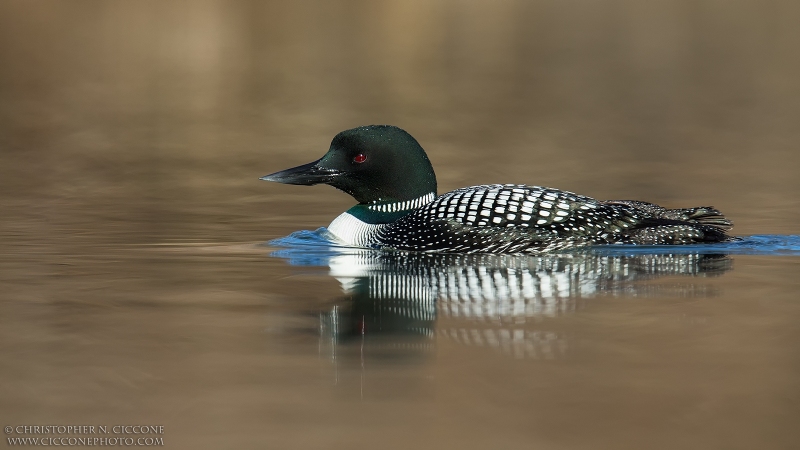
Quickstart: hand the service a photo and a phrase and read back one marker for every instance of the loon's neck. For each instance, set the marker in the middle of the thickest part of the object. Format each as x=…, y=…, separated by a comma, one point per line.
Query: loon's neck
x=358, y=225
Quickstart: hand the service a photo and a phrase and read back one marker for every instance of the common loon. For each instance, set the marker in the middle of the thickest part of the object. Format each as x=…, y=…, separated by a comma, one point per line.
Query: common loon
x=386, y=170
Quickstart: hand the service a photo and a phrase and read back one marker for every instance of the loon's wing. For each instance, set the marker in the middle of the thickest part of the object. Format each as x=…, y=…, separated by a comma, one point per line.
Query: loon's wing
x=521, y=218
x=660, y=225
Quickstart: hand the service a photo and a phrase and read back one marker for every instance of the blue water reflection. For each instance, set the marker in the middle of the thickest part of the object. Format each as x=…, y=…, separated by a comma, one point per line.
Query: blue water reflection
x=310, y=248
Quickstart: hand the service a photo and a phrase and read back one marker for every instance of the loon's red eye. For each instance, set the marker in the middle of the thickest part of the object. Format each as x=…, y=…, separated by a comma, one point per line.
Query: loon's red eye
x=360, y=158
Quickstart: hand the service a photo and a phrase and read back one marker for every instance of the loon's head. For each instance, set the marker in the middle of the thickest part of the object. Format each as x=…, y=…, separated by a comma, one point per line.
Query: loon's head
x=374, y=164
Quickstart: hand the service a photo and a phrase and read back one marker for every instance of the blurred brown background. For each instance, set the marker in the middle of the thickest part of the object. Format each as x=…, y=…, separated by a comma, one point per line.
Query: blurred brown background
x=133, y=133
x=166, y=112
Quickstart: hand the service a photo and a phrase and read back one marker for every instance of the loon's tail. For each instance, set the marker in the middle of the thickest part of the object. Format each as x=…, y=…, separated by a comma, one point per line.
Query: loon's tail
x=677, y=226
x=705, y=215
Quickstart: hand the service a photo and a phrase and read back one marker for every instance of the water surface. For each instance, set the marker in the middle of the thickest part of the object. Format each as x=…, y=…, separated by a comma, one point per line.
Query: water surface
x=137, y=284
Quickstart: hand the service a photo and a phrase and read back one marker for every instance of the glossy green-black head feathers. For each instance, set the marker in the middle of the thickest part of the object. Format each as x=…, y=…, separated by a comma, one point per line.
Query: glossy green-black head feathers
x=374, y=164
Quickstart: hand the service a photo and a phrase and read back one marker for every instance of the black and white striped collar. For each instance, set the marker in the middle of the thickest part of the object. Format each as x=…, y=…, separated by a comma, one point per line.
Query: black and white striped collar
x=402, y=206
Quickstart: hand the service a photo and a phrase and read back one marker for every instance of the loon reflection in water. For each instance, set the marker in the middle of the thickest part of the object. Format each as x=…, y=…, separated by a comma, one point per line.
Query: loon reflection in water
x=393, y=299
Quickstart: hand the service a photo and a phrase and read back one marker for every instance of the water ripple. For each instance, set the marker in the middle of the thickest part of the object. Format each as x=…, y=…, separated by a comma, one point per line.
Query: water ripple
x=316, y=247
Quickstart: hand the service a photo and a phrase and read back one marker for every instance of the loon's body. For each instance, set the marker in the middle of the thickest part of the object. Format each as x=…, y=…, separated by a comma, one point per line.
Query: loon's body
x=390, y=175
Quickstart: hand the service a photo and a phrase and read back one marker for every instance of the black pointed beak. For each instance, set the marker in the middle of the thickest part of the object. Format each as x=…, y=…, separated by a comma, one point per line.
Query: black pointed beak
x=307, y=174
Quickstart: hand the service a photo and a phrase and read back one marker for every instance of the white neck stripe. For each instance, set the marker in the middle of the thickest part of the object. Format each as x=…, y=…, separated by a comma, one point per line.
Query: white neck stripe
x=402, y=206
